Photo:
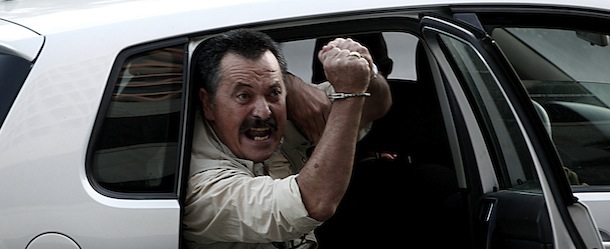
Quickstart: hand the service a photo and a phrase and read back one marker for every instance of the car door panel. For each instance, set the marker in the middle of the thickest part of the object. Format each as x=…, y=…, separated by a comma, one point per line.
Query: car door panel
x=562, y=61
x=517, y=213
x=514, y=220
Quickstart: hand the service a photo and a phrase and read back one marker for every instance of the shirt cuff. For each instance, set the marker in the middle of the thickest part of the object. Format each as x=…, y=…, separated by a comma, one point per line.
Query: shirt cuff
x=291, y=205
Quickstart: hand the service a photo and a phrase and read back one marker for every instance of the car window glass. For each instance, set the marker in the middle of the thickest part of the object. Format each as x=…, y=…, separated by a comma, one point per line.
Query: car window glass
x=13, y=71
x=578, y=57
x=299, y=57
x=137, y=147
x=400, y=46
x=574, y=90
x=512, y=161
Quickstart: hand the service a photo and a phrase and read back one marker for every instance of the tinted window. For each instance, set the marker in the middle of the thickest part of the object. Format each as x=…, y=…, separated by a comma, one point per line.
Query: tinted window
x=571, y=81
x=512, y=161
x=13, y=71
x=400, y=48
x=136, y=148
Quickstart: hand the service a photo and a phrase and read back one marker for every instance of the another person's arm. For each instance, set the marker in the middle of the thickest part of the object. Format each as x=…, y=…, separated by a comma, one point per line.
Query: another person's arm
x=379, y=103
x=308, y=106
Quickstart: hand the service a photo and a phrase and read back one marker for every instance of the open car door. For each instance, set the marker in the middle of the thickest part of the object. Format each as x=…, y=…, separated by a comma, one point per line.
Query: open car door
x=514, y=182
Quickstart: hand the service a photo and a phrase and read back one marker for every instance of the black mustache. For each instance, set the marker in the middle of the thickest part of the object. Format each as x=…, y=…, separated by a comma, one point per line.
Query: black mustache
x=258, y=123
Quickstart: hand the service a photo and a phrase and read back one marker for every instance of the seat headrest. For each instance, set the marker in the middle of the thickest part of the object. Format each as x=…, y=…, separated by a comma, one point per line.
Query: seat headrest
x=546, y=120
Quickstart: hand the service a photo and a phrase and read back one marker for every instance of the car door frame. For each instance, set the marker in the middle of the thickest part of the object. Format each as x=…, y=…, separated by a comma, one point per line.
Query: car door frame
x=570, y=221
x=596, y=197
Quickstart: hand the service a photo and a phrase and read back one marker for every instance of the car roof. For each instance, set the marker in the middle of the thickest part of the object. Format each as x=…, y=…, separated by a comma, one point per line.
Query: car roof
x=47, y=17
x=25, y=25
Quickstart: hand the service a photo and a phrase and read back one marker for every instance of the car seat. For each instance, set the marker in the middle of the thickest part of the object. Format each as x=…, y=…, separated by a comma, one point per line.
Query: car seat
x=414, y=199
x=546, y=120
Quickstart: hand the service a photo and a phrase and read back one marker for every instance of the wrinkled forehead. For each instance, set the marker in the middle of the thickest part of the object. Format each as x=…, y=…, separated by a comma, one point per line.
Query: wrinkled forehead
x=266, y=66
x=264, y=57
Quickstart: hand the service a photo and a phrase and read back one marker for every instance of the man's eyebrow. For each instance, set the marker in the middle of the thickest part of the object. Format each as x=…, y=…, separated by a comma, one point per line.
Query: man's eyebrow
x=241, y=84
x=276, y=84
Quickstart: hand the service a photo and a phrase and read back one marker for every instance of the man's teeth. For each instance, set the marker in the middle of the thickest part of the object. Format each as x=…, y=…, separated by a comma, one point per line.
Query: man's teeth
x=261, y=138
x=259, y=130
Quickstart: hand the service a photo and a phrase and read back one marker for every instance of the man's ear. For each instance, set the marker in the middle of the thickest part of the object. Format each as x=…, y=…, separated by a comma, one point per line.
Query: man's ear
x=206, y=103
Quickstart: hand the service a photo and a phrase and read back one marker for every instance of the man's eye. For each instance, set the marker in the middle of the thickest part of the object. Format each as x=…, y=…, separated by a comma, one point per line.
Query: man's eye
x=243, y=96
x=275, y=93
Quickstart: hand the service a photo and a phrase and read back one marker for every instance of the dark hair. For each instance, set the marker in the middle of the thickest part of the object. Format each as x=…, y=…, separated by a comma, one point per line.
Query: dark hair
x=248, y=43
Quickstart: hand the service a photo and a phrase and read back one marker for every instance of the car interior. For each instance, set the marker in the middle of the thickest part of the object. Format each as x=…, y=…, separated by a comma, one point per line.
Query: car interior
x=577, y=109
x=418, y=186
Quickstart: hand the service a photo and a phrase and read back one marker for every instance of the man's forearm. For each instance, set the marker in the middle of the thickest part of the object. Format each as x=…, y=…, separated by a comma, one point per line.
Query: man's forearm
x=325, y=176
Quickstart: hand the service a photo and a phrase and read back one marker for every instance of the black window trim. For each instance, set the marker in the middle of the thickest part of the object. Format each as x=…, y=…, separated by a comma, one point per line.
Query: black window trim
x=12, y=82
x=104, y=105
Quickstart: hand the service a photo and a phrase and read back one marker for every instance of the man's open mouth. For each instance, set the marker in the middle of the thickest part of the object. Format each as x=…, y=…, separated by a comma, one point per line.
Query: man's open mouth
x=258, y=133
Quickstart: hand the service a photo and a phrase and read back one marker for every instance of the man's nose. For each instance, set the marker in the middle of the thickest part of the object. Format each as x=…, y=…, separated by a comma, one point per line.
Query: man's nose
x=261, y=109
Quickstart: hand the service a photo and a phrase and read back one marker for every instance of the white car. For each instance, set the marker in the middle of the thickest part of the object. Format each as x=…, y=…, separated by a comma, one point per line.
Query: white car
x=500, y=119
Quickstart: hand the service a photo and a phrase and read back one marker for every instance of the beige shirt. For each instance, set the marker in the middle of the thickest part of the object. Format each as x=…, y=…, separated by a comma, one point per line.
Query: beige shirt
x=230, y=199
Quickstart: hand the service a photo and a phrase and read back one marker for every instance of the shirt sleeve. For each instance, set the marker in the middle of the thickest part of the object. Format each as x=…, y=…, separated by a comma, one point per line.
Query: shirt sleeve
x=228, y=205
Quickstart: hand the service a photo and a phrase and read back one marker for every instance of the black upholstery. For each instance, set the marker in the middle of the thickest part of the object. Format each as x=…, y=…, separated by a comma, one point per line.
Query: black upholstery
x=398, y=203
x=413, y=127
x=393, y=205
